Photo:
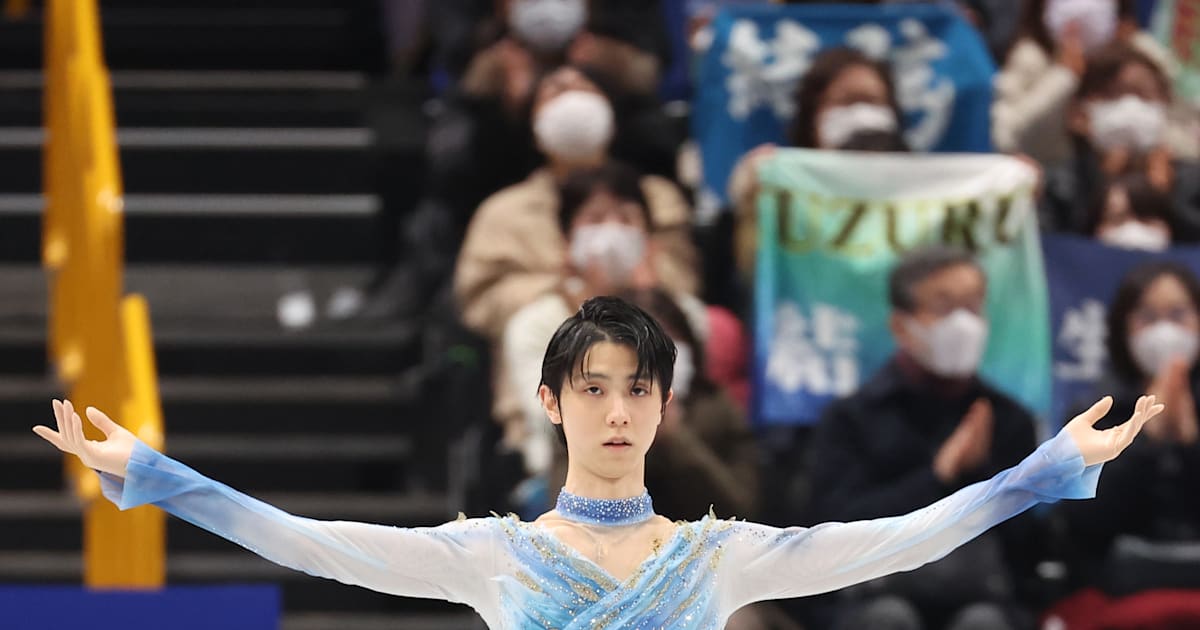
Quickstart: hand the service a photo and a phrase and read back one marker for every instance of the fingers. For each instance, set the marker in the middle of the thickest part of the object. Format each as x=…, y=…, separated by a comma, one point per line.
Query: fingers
x=74, y=433
x=1145, y=410
x=51, y=436
x=62, y=416
x=101, y=421
x=1097, y=411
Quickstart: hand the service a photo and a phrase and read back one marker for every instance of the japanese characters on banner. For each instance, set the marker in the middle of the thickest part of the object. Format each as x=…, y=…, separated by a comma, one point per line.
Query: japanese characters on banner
x=1083, y=276
x=828, y=238
x=747, y=78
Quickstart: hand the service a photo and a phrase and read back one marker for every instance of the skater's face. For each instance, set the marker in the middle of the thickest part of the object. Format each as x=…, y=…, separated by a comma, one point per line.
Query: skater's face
x=609, y=415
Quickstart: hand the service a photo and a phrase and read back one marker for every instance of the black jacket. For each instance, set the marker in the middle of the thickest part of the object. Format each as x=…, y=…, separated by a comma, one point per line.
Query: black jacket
x=873, y=451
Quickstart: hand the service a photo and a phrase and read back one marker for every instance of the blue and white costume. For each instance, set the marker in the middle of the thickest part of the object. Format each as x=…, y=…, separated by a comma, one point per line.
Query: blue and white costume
x=518, y=575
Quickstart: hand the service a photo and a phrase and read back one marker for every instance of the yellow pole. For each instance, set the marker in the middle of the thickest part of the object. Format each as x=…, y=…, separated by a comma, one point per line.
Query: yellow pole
x=100, y=343
x=127, y=549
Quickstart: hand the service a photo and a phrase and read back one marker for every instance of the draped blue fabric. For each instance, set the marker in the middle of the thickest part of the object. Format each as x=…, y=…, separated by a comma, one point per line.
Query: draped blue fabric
x=518, y=575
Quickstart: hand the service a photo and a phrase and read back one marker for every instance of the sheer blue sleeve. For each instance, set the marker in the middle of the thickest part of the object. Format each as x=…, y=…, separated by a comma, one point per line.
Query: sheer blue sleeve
x=764, y=562
x=451, y=562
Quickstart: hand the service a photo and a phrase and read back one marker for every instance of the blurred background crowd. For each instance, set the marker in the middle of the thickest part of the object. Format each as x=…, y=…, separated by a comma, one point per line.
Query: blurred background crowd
x=525, y=155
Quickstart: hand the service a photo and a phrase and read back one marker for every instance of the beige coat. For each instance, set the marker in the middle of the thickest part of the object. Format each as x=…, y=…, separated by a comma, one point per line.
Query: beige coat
x=1031, y=96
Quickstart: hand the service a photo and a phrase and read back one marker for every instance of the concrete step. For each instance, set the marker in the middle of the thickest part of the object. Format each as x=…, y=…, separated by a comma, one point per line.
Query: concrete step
x=207, y=98
x=292, y=160
x=214, y=297
x=329, y=36
x=251, y=460
x=50, y=520
x=221, y=229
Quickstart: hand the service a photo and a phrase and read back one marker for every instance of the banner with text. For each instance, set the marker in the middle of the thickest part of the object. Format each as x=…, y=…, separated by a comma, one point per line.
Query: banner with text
x=831, y=227
x=746, y=79
x=1083, y=275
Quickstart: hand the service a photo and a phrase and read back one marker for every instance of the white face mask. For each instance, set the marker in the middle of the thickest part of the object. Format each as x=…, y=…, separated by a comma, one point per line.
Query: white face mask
x=1137, y=235
x=839, y=124
x=574, y=125
x=1158, y=344
x=951, y=347
x=685, y=371
x=1097, y=20
x=1127, y=122
x=615, y=247
x=547, y=25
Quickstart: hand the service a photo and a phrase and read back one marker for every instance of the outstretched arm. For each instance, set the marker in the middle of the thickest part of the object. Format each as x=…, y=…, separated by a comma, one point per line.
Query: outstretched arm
x=449, y=562
x=770, y=563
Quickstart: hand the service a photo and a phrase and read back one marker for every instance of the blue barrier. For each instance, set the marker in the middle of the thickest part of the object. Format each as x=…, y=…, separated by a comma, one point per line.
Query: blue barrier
x=177, y=608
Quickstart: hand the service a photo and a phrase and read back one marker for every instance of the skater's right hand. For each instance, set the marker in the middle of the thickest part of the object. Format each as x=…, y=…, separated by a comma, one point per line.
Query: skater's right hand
x=110, y=455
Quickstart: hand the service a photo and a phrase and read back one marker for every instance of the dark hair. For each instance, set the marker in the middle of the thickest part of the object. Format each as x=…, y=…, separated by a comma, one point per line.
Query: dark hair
x=1146, y=201
x=1105, y=64
x=661, y=306
x=826, y=68
x=918, y=265
x=614, y=320
x=1032, y=24
x=1125, y=301
x=615, y=178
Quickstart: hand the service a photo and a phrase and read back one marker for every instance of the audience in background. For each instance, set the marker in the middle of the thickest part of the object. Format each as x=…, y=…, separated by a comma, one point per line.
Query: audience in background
x=1045, y=65
x=845, y=100
x=1133, y=214
x=514, y=251
x=1118, y=127
x=526, y=148
x=924, y=426
x=1140, y=533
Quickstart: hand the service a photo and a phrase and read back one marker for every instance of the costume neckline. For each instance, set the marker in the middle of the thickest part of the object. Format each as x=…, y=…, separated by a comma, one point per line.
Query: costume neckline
x=607, y=512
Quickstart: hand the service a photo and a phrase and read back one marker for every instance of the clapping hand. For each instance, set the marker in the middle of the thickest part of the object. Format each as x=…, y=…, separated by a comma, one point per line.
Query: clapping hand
x=1101, y=446
x=110, y=455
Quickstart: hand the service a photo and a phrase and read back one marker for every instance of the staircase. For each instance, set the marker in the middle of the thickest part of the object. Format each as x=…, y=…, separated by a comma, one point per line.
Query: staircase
x=255, y=151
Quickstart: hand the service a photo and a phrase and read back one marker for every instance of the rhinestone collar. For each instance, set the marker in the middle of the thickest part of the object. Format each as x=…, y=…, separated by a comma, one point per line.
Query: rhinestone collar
x=605, y=511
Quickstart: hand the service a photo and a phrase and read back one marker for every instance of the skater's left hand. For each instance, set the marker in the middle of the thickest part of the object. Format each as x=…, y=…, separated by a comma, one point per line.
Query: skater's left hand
x=110, y=455
x=1101, y=446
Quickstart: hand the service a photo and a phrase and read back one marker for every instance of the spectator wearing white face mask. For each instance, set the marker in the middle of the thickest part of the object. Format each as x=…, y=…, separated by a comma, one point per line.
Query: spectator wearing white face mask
x=845, y=101
x=1134, y=215
x=608, y=249
x=1147, y=543
x=922, y=427
x=1045, y=63
x=1118, y=124
x=537, y=36
x=514, y=251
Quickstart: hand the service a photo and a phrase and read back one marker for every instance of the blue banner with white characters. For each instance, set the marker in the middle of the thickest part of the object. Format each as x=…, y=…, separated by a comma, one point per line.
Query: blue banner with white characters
x=747, y=78
x=1083, y=275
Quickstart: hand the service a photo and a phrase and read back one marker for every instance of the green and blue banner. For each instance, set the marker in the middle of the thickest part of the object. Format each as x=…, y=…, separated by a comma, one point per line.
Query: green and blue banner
x=831, y=227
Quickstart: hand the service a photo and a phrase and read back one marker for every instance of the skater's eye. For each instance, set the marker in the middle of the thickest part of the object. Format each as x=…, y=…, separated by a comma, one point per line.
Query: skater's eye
x=593, y=390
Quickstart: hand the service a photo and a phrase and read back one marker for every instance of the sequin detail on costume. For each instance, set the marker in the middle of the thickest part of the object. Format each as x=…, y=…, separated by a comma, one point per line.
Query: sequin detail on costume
x=612, y=512
x=673, y=587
